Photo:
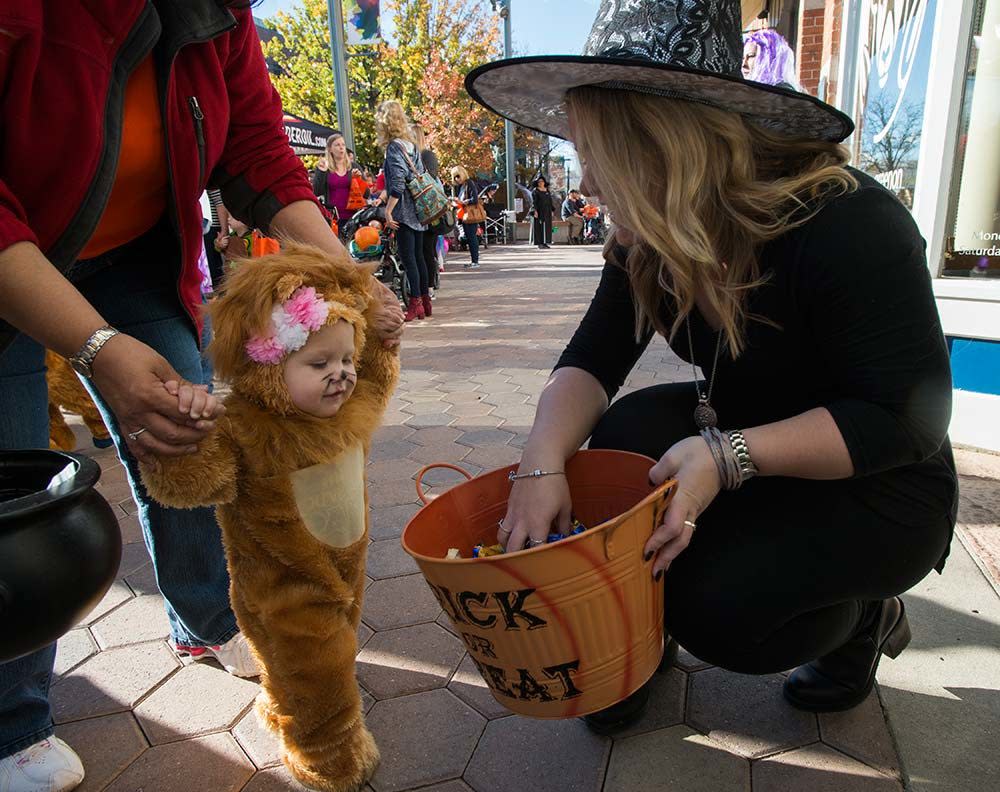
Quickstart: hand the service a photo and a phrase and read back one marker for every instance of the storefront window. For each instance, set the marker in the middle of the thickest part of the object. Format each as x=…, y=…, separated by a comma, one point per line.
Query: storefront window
x=892, y=84
x=972, y=247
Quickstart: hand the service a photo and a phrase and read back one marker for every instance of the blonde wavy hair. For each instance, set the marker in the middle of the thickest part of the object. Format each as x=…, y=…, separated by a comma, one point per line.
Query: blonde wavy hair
x=703, y=190
x=391, y=123
x=459, y=172
x=325, y=161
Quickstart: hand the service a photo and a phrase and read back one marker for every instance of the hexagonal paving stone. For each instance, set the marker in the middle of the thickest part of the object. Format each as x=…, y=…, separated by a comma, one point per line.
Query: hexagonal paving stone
x=367, y=700
x=408, y=660
x=388, y=433
x=139, y=620
x=688, y=662
x=862, y=733
x=393, y=449
x=446, y=622
x=483, y=437
x=431, y=419
x=543, y=756
x=497, y=399
x=388, y=559
x=117, y=594
x=198, y=699
x=474, y=423
x=364, y=633
x=819, y=768
x=396, y=492
x=274, y=779
x=214, y=762
x=143, y=581
x=469, y=686
x=747, y=714
x=449, y=786
x=387, y=522
x=423, y=739
x=392, y=469
x=111, y=681
x=398, y=602
x=263, y=747
x=492, y=457
x=450, y=452
x=667, y=693
x=425, y=407
x=471, y=408
x=435, y=435
x=676, y=759
x=73, y=648
x=465, y=397
x=130, y=529
x=106, y=746
x=134, y=556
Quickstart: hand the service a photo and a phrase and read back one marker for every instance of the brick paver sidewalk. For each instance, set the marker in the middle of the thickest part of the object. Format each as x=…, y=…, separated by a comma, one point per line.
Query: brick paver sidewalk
x=471, y=378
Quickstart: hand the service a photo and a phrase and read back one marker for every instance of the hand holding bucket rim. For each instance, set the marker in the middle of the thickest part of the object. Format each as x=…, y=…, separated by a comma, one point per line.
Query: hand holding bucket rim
x=690, y=463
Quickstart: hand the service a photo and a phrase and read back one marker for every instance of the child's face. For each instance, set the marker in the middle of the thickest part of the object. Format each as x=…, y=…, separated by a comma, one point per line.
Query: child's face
x=320, y=377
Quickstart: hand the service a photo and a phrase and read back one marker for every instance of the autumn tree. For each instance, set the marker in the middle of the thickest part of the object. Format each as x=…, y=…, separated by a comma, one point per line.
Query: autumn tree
x=437, y=44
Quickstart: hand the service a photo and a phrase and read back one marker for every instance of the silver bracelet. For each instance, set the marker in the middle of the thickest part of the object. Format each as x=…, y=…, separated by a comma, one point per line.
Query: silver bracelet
x=741, y=452
x=731, y=455
x=513, y=476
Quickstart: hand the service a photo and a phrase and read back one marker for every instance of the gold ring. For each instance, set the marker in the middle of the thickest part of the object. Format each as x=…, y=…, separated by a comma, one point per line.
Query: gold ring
x=690, y=524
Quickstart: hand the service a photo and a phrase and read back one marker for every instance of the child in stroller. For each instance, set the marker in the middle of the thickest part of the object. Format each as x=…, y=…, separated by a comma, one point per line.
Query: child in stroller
x=390, y=270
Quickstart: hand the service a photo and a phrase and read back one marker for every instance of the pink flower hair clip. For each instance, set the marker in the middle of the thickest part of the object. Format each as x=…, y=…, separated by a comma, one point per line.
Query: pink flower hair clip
x=292, y=321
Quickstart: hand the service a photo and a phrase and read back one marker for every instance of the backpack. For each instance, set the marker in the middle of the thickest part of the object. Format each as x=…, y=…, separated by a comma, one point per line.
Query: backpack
x=428, y=194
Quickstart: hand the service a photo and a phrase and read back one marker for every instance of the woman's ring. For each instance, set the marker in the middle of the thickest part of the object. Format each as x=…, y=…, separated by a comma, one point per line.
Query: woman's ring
x=690, y=524
x=133, y=436
x=535, y=542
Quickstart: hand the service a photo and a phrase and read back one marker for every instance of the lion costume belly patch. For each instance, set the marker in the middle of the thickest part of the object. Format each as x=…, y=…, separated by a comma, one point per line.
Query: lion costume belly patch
x=331, y=498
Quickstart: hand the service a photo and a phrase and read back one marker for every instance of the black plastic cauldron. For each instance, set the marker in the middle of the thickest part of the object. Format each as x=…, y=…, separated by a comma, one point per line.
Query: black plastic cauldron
x=60, y=547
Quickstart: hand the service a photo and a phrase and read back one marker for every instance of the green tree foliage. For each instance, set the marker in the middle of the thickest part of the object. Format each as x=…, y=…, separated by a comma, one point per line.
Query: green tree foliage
x=437, y=43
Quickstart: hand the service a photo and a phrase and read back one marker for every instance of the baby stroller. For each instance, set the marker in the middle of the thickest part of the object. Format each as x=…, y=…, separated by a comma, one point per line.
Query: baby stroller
x=593, y=230
x=390, y=271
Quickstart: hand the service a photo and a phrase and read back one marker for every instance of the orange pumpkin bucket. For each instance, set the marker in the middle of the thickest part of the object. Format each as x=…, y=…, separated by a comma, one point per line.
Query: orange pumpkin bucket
x=563, y=629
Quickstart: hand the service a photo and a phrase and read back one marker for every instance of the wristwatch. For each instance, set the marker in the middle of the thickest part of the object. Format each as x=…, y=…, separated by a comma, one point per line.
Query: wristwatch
x=83, y=361
x=742, y=452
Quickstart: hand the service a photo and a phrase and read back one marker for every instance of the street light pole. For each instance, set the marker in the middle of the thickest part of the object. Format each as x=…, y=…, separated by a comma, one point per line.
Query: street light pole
x=335, y=13
x=503, y=6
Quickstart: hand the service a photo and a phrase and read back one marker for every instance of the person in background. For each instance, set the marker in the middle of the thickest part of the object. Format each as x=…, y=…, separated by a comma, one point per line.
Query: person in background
x=334, y=179
x=768, y=59
x=542, y=209
x=433, y=167
x=216, y=237
x=467, y=195
x=104, y=271
x=402, y=161
x=572, y=215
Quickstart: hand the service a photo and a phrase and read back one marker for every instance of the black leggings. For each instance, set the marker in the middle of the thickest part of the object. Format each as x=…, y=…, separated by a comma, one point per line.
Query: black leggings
x=430, y=257
x=543, y=230
x=778, y=571
x=410, y=244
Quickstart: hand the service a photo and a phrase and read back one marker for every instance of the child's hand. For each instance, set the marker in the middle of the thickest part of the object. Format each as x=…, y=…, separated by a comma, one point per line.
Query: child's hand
x=196, y=402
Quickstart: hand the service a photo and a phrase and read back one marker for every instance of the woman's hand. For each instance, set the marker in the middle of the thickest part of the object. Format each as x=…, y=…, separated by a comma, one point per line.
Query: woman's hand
x=536, y=508
x=131, y=377
x=690, y=462
x=388, y=319
x=389, y=221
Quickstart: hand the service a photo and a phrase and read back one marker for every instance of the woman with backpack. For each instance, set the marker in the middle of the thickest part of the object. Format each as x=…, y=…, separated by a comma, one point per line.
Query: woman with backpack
x=402, y=162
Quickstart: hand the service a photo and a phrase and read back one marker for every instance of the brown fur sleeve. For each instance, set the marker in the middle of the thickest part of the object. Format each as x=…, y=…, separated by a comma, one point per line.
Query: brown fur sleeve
x=207, y=478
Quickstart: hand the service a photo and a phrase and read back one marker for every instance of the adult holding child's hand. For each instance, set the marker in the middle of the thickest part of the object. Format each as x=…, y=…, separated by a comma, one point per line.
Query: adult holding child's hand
x=815, y=478
x=104, y=271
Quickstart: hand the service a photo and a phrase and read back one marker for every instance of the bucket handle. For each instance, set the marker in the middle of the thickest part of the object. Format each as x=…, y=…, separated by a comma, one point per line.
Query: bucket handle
x=661, y=496
x=426, y=468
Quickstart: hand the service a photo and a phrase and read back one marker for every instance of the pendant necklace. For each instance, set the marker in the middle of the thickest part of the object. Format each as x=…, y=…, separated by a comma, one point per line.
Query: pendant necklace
x=704, y=414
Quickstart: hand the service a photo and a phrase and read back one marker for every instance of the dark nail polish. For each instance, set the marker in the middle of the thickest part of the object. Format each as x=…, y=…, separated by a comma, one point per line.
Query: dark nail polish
x=658, y=576
x=648, y=556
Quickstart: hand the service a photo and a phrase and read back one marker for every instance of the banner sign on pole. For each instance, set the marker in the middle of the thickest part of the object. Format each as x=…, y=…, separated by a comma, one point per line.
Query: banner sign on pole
x=363, y=22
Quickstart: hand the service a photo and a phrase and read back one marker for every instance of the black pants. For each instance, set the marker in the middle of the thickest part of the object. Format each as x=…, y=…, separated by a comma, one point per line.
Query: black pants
x=430, y=241
x=778, y=571
x=411, y=250
x=543, y=230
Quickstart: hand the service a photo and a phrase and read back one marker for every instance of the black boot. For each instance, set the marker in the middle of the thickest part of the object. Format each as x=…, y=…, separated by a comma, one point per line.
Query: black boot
x=620, y=716
x=844, y=678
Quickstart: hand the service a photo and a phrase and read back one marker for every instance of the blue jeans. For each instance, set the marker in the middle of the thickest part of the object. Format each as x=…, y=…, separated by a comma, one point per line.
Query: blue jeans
x=472, y=239
x=135, y=291
x=410, y=244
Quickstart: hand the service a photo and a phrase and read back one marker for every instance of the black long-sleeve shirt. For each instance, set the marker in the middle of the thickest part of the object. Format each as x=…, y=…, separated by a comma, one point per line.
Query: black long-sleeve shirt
x=858, y=333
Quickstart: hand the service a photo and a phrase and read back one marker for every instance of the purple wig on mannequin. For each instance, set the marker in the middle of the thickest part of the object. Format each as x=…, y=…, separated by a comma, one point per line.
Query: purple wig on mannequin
x=775, y=61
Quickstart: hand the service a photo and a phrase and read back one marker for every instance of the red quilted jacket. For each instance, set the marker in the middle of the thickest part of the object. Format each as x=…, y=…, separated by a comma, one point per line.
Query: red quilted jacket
x=64, y=65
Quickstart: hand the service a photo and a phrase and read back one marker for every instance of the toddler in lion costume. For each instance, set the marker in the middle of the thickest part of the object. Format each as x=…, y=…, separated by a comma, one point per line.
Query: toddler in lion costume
x=286, y=469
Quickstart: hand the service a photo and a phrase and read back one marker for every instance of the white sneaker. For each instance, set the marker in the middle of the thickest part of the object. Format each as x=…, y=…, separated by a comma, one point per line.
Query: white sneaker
x=46, y=766
x=234, y=656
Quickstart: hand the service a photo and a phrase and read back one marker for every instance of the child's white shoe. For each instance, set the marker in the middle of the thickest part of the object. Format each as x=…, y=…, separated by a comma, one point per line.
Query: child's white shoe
x=234, y=656
x=47, y=766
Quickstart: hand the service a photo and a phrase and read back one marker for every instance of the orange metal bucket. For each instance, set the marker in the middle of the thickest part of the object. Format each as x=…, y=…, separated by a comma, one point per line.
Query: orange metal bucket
x=564, y=629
